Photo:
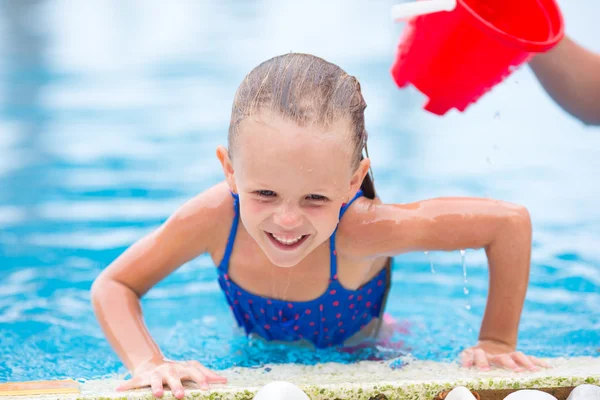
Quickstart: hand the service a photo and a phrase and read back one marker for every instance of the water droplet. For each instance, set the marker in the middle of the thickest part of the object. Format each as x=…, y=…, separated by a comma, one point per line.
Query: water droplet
x=430, y=262
x=464, y=265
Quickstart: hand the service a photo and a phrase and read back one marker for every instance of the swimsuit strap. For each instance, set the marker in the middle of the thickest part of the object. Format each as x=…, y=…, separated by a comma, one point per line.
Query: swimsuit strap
x=224, y=265
x=333, y=252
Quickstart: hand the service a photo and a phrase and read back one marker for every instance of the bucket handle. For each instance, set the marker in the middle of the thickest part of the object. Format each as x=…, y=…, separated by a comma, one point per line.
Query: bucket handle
x=422, y=7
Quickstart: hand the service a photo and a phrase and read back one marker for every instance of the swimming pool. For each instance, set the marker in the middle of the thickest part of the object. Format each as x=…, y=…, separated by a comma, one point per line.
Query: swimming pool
x=109, y=117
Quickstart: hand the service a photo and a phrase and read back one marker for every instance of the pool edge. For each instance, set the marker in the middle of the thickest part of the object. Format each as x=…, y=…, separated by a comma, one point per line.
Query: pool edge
x=416, y=380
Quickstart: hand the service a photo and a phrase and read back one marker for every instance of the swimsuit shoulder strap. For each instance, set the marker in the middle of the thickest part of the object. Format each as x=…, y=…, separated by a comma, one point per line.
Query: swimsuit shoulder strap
x=224, y=265
x=332, y=251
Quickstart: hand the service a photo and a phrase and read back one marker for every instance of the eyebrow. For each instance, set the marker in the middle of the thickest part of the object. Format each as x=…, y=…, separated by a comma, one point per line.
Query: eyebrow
x=259, y=186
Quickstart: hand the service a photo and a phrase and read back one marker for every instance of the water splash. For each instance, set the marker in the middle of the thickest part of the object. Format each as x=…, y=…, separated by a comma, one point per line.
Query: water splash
x=430, y=262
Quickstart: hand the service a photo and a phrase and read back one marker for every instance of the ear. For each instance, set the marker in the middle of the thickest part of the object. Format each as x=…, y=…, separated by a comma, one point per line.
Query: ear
x=359, y=176
x=223, y=156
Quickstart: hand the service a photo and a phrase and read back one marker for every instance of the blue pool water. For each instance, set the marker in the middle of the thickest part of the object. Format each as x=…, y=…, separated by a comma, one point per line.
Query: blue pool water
x=110, y=112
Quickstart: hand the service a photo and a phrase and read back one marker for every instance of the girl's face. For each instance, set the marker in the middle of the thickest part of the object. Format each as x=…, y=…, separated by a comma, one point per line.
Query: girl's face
x=292, y=182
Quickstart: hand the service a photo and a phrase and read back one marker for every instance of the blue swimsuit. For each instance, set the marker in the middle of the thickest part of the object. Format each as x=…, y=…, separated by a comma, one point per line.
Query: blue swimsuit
x=326, y=321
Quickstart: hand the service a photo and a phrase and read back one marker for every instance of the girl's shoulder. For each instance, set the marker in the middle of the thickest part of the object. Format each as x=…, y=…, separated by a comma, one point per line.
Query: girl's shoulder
x=209, y=213
x=370, y=226
x=354, y=225
x=215, y=202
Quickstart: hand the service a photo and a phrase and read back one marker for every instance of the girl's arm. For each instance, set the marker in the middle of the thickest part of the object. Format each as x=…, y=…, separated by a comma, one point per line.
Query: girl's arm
x=571, y=76
x=502, y=229
x=117, y=291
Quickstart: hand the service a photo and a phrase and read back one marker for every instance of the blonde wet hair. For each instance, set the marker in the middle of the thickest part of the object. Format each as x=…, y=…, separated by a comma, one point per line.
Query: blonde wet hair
x=306, y=90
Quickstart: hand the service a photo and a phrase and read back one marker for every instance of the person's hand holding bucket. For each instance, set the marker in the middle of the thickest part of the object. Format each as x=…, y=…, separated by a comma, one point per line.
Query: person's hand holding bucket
x=454, y=51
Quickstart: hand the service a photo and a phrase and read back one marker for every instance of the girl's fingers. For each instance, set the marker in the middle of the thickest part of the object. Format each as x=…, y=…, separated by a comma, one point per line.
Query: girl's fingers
x=505, y=361
x=516, y=360
x=481, y=360
x=133, y=383
x=211, y=376
x=156, y=383
x=172, y=374
x=175, y=384
x=523, y=360
x=198, y=377
x=466, y=358
x=539, y=362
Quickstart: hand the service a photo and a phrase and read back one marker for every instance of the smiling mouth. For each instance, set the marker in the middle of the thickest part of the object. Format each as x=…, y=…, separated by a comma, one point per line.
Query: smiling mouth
x=287, y=242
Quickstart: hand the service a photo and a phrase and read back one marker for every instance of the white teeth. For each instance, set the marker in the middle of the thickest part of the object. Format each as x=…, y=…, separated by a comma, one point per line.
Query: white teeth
x=286, y=240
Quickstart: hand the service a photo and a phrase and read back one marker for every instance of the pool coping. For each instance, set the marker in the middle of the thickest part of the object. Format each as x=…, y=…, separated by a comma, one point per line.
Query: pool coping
x=367, y=380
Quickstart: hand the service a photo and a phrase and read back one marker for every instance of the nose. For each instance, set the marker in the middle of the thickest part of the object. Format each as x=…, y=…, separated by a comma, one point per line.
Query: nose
x=288, y=217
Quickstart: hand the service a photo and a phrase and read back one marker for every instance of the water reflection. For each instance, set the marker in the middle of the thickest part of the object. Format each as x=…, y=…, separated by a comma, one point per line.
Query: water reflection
x=23, y=119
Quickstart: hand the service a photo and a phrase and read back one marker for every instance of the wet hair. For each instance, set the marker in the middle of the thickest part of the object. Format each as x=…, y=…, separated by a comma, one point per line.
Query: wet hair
x=304, y=89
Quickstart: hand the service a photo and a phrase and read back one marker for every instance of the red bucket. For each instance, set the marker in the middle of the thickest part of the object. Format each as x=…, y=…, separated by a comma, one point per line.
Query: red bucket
x=456, y=57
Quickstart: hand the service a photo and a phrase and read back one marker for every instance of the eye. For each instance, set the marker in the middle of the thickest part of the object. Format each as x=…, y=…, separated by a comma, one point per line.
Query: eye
x=265, y=193
x=316, y=197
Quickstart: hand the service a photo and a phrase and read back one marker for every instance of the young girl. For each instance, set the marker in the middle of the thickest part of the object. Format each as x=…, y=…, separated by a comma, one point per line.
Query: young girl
x=301, y=242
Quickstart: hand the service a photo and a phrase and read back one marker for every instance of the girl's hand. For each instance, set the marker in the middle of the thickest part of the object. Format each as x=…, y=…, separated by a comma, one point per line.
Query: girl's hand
x=157, y=373
x=491, y=352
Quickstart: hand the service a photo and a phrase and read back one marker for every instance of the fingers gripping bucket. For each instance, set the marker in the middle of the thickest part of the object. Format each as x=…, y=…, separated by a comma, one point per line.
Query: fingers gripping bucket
x=455, y=57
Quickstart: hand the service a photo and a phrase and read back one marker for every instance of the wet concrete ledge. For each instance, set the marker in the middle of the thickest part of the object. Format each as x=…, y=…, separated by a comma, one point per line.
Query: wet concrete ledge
x=415, y=380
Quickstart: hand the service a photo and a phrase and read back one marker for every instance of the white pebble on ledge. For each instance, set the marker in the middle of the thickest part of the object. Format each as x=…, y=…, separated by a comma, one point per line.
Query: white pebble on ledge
x=460, y=393
x=585, y=392
x=280, y=390
x=529, y=395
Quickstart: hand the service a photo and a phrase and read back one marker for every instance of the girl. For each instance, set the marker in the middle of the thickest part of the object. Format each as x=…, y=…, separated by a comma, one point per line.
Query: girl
x=301, y=241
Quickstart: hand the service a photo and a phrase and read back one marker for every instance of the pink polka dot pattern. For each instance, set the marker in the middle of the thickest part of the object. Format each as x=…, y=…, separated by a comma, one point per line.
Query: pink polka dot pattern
x=328, y=320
